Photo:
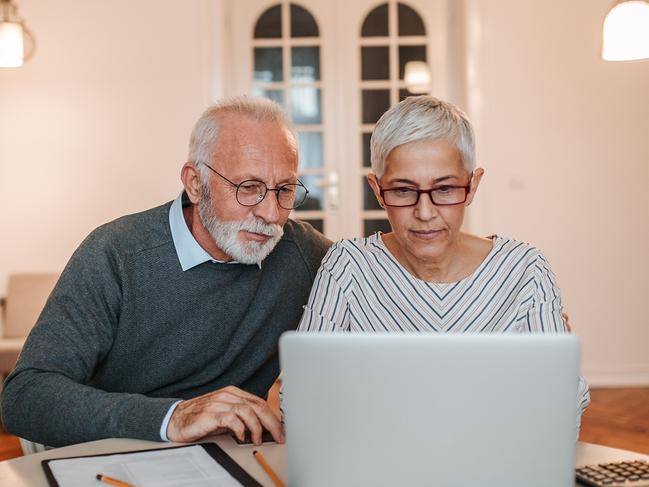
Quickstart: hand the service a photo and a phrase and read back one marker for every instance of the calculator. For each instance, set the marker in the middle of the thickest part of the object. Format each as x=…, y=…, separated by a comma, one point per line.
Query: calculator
x=615, y=474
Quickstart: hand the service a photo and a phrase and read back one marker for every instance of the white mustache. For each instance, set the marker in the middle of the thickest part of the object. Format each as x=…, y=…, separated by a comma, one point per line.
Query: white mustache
x=258, y=226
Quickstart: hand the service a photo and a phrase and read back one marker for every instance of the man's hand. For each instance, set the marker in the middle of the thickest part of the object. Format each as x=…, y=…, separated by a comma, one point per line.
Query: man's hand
x=228, y=409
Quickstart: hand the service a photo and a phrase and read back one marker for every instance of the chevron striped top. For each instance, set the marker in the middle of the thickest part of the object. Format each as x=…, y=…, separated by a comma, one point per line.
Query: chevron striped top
x=361, y=287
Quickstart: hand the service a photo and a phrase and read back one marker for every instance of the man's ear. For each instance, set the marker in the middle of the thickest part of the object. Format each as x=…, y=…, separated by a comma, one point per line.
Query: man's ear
x=475, y=182
x=374, y=184
x=191, y=181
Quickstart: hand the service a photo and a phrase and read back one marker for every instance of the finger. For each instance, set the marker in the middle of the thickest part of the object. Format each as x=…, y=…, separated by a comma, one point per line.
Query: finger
x=270, y=421
x=247, y=414
x=232, y=421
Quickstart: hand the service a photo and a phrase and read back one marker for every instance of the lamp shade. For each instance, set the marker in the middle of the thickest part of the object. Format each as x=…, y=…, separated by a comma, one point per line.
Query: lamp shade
x=626, y=32
x=417, y=77
x=11, y=45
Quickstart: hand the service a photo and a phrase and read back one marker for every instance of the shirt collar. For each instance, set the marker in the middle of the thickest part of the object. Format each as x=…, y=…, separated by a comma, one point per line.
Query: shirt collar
x=190, y=253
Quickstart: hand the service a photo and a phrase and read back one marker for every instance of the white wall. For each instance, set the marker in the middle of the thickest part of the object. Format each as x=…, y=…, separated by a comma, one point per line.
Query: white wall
x=564, y=138
x=96, y=125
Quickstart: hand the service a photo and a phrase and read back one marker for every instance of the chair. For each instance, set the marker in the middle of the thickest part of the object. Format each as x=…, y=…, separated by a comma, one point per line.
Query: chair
x=25, y=298
x=19, y=309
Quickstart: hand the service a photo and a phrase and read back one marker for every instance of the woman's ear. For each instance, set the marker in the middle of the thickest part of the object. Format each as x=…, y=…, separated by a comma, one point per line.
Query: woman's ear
x=374, y=184
x=476, y=177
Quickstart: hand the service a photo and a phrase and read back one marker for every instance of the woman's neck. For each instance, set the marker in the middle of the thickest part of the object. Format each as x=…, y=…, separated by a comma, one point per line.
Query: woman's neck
x=460, y=260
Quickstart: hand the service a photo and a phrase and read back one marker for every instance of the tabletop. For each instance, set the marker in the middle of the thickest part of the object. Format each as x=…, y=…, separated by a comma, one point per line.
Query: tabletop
x=27, y=471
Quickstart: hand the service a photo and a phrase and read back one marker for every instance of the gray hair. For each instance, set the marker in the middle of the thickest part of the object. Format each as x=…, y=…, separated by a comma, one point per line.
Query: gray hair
x=420, y=118
x=204, y=137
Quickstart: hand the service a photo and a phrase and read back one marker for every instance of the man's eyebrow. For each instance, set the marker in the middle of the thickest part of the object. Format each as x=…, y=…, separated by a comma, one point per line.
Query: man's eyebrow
x=252, y=177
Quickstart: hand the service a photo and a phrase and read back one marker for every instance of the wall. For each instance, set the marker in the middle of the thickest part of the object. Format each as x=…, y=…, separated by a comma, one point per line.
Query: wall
x=96, y=125
x=564, y=139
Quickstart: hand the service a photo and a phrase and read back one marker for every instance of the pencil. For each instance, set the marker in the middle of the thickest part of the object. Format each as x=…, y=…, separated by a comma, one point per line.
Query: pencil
x=109, y=480
x=271, y=473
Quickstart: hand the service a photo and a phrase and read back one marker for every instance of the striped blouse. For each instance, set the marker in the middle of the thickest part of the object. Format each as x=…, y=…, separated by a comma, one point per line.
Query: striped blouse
x=361, y=287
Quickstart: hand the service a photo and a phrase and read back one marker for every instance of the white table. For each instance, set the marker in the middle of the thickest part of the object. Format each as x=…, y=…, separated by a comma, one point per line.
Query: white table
x=27, y=471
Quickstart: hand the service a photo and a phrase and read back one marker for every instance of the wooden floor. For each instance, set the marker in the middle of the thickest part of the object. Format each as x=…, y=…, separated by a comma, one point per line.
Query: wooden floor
x=615, y=417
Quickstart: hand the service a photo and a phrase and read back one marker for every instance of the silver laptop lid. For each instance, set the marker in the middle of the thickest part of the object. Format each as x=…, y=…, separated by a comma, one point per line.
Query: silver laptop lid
x=420, y=409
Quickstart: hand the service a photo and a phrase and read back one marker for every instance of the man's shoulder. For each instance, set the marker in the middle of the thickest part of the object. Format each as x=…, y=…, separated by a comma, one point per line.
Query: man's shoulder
x=304, y=236
x=134, y=232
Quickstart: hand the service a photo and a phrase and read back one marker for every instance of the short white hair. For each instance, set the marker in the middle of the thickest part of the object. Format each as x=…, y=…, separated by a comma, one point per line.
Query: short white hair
x=420, y=118
x=205, y=134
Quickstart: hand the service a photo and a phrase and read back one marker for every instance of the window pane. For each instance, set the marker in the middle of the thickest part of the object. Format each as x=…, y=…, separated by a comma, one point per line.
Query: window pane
x=410, y=53
x=310, y=149
x=315, y=198
x=305, y=106
x=410, y=23
x=318, y=223
x=375, y=103
x=268, y=64
x=305, y=64
x=375, y=62
x=302, y=23
x=376, y=22
x=275, y=95
x=370, y=227
x=269, y=25
x=369, y=200
x=403, y=94
x=367, y=160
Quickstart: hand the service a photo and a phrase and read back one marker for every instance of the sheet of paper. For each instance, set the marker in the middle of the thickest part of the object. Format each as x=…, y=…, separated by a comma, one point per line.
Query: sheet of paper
x=186, y=467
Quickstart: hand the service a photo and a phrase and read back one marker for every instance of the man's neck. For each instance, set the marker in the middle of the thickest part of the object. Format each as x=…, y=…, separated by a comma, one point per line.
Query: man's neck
x=202, y=235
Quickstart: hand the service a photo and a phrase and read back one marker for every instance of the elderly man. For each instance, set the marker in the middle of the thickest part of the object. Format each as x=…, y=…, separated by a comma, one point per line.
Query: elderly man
x=164, y=324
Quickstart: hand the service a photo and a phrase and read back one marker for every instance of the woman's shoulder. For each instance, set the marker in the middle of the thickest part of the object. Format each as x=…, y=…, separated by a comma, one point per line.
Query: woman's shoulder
x=511, y=248
x=354, y=249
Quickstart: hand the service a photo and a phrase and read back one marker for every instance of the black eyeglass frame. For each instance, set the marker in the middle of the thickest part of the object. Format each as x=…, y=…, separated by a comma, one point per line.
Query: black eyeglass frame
x=429, y=192
x=276, y=190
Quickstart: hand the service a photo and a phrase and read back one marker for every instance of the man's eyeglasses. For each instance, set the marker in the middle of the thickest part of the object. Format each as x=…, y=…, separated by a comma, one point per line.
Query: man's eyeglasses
x=442, y=195
x=252, y=192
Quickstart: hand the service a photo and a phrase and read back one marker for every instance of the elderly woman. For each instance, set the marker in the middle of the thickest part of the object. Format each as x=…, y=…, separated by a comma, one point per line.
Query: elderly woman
x=427, y=275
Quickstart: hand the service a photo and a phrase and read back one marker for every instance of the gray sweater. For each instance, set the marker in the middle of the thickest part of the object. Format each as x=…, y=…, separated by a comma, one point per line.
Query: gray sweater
x=126, y=332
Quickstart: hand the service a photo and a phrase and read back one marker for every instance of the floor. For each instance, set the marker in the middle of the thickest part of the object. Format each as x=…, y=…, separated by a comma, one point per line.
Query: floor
x=615, y=417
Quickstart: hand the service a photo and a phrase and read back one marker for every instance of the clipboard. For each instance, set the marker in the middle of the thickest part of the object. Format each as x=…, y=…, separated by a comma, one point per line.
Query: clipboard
x=212, y=449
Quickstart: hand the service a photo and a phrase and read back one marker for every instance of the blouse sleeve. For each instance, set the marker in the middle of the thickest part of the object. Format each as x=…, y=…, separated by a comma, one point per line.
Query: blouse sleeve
x=327, y=308
x=545, y=316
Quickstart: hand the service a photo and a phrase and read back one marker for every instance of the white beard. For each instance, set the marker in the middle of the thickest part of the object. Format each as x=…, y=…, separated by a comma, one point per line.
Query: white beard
x=226, y=233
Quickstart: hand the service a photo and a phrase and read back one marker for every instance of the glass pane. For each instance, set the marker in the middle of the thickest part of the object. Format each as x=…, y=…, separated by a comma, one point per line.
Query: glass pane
x=302, y=22
x=410, y=23
x=317, y=223
x=403, y=94
x=315, y=198
x=268, y=64
x=375, y=62
x=410, y=53
x=367, y=160
x=305, y=64
x=305, y=106
x=275, y=95
x=370, y=227
x=376, y=22
x=269, y=25
x=310, y=144
x=369, y=200
x=375, y=103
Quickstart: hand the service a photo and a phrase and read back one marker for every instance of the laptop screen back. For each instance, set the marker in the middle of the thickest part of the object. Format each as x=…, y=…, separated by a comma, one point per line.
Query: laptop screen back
x=418, y=409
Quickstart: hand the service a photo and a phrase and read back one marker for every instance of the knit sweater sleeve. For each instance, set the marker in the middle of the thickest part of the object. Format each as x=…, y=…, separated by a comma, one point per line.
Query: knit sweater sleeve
x=48, y=397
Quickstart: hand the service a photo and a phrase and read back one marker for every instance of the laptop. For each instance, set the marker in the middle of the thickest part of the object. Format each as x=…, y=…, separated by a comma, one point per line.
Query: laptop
x=367, y=409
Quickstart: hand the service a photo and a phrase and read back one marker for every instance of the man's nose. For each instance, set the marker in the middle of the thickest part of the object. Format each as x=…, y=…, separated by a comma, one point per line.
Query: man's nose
x=268, y=209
